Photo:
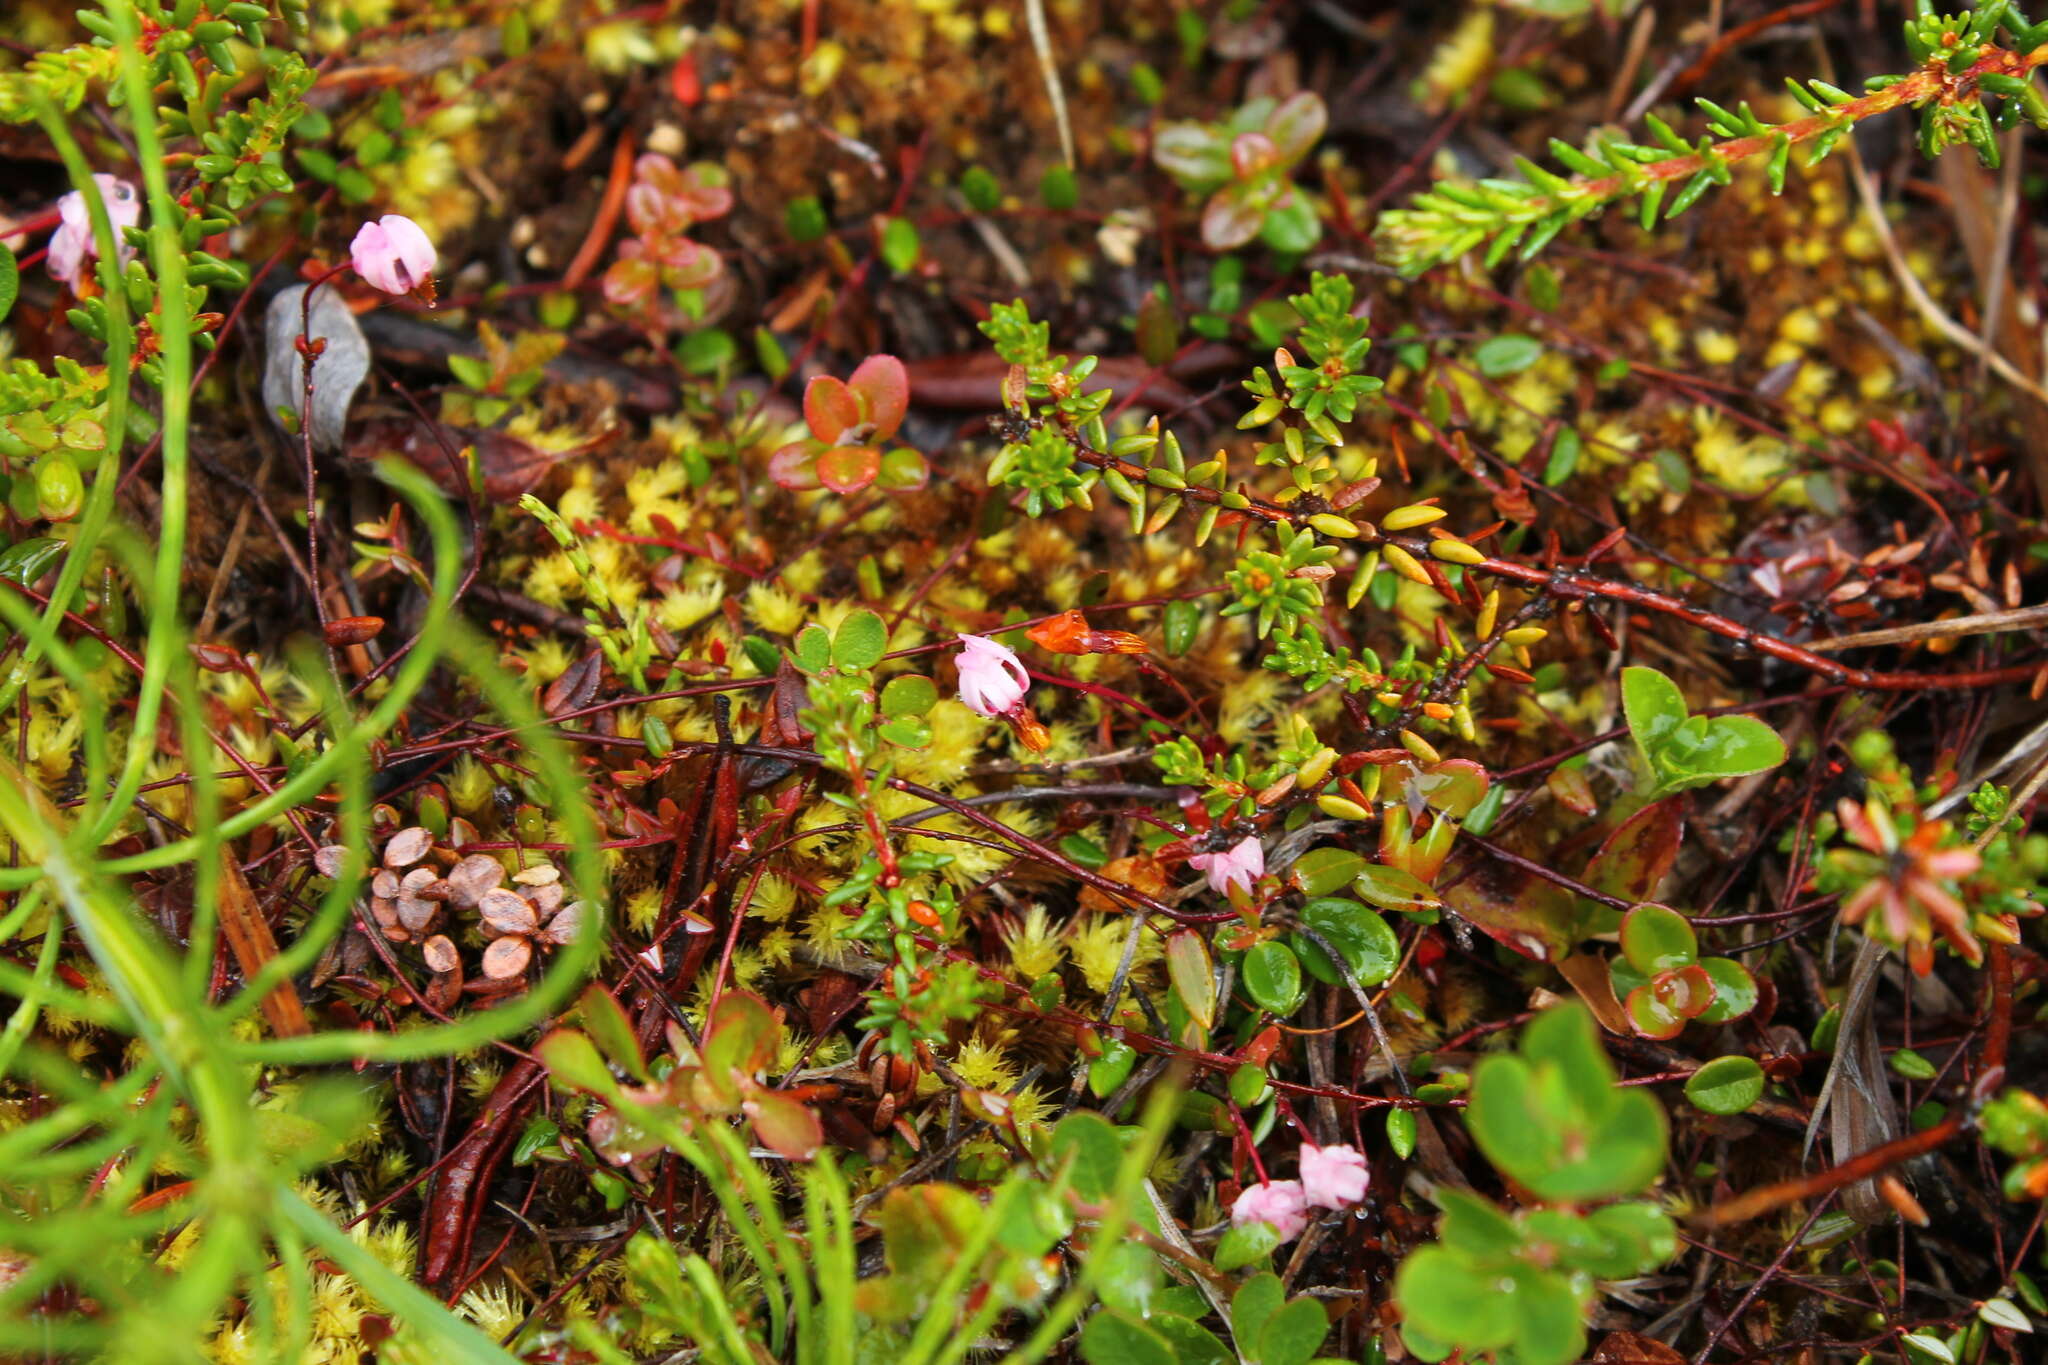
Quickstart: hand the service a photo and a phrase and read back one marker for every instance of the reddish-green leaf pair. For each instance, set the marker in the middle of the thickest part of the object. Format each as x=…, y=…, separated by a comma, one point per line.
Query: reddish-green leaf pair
x=851, y=422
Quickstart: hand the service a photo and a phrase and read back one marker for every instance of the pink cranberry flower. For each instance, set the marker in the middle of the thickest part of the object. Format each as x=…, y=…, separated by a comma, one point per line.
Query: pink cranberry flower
x=72, y=244
x=1333, y=1177
x=1238, y=866
x=1278, y=1202
x=992, y=681
x=393, y=254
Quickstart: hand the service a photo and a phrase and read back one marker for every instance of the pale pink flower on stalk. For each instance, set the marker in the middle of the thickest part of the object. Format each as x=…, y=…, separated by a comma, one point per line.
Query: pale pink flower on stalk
x=1240, y=865
x=1333, y=1177
x=1278, y=1202
x=992, y=680
x=394, y=255
x=72, y=244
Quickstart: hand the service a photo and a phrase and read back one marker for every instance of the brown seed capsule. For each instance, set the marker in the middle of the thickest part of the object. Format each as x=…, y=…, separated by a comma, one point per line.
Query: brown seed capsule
x=353, y=630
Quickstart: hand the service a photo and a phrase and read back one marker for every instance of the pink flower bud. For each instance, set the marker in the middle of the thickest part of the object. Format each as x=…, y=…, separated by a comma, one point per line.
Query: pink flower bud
x=72, y=244
x=992, y=680
x=1279, y=1202
x=1333, y=1177
x=1240, y=865
x=393, y=254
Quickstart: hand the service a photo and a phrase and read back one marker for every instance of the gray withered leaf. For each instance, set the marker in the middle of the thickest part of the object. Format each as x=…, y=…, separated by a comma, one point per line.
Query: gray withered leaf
x=337, y=373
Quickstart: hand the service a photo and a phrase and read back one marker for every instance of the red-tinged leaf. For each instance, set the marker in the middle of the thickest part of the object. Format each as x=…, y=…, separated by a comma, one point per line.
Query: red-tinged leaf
x=1296, y=124
x=1572, y=790
x=795, y=466
x=1627, y=1348
x=1651, y=1017
x=352, y=630
x=784, y=1125
x=1453, y=786
x=576, y=688
x=1229, y=221
x=883, y=388
x=830, y=407
x=1633, y=862
x=1194, y=980
x=848, y=469
x=743, y=1036
x=1531, y=916
x=506, y=958
x=1688, y=991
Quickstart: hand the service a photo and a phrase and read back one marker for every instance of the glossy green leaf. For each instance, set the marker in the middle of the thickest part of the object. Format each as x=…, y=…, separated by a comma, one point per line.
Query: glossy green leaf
x=1726, y=1085
x=1272, y=977
x=1392, y=888
x=1453, y=1299
x=1656, y=938
x=1735, y=992
x=1653, y=707
x=1365, y=940
x=1111, y=1069
x=1321, y=871
x=1401, y=1131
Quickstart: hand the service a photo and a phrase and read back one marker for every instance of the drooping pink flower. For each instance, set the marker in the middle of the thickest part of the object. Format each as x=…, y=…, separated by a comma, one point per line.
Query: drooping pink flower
x=992, y=680
x=72, y=244
x=1240, y=865
x=1279, y=1202
x=1333, y=1177
x=393, y=254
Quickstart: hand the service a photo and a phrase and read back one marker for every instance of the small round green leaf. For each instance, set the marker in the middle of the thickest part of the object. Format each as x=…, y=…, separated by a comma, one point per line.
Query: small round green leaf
x=910, y=695
x=1726, y=1085
x=860, y=642
x=1656, y=938
x=1735, y=991
x=1509, y=353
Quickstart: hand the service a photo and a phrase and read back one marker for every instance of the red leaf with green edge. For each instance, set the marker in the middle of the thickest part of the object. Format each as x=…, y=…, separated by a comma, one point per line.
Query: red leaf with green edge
x=1656, y=938
x=848, y=469
x=1453, y=786
x=795, y=466
x=1735, y=992
x=1650, y=1016
x=903, y=471
x=881, y=386
x=784, y=1125
x=829, y=407
x=1530, y=916
x=1686, y=990
x=1632, y=862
